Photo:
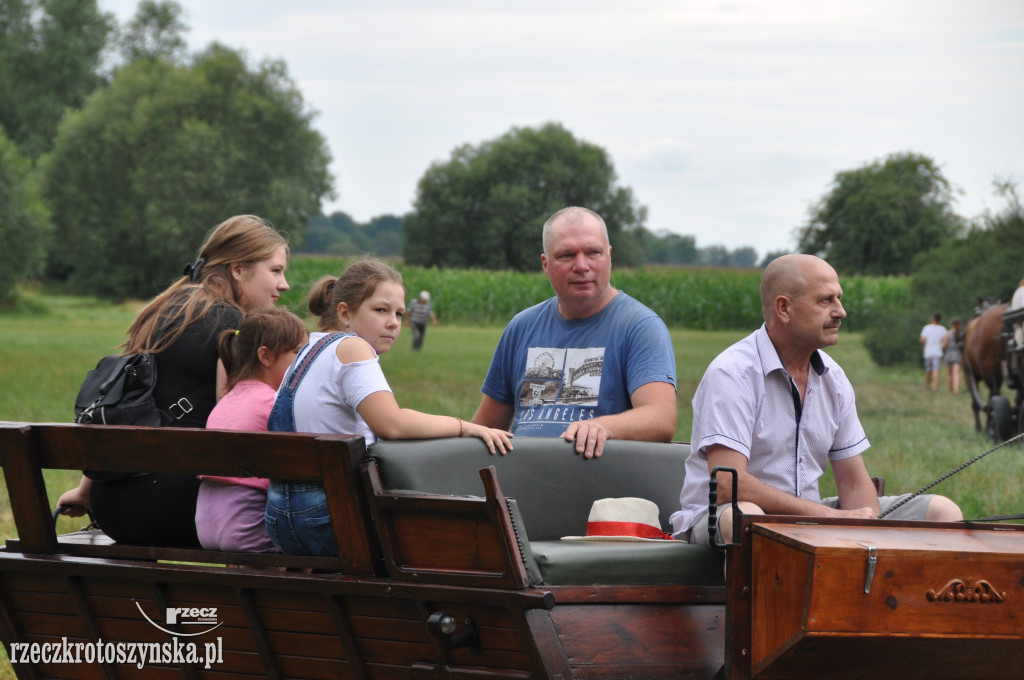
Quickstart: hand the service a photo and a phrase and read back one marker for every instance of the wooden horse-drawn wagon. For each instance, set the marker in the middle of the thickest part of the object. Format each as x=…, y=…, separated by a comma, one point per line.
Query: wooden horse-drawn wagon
x=452, y=566
x=994, y=355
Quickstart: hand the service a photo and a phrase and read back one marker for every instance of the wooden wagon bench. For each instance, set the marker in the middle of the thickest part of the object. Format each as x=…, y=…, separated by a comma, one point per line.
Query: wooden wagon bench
x=429, y=542
x=451, y=567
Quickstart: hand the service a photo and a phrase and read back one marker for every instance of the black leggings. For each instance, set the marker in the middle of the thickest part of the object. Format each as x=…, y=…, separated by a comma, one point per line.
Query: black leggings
x=148, y=509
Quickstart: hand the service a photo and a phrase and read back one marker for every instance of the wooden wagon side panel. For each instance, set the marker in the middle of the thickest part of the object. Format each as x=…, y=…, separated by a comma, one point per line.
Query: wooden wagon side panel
x=650, y=632
x=267, y=625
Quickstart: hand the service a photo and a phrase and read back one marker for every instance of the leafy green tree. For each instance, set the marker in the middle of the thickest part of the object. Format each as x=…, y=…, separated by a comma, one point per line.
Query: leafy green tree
x=486, y=206
x=323, y=233
x=339, y=234
x=50, y=54
x=951, y=279
x=878, y=217
x=744, y=256
x=892, y=336
x=668, y=248
x=24, y=221
x=720, y=256
x=141, y=173
x=986, y=262
x=156, y=31
x=386, y=232
x=715, y=255
x=771, y=255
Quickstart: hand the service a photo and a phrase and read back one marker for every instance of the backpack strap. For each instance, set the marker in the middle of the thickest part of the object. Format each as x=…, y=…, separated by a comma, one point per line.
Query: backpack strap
x=185, y=405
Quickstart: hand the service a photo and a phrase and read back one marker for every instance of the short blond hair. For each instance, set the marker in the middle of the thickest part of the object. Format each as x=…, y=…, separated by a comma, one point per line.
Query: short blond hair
x=572, y=213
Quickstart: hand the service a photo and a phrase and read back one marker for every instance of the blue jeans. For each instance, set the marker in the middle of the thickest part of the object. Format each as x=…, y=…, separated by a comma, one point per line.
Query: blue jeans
x=298, y=519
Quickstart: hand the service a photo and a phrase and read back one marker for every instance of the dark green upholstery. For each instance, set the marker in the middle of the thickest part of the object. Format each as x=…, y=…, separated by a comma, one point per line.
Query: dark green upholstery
x=640, y=564
x=554, y=488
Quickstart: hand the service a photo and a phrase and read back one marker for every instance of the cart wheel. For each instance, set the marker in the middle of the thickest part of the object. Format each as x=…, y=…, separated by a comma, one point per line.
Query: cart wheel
x=999, y=426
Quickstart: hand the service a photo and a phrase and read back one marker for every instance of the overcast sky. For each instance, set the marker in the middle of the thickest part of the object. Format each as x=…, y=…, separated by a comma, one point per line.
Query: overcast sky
x=728, y=119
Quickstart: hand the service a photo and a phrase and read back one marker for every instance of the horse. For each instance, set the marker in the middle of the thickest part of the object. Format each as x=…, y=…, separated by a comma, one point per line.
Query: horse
x=983, y=354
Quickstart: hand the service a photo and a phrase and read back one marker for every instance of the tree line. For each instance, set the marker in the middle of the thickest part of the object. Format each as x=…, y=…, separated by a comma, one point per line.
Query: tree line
x=120, y=148
x=953, y=276
x=896, y=217
x=339, y=234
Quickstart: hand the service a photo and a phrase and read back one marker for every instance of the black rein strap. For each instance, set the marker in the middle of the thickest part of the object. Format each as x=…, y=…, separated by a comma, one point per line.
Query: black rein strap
x=952, y=472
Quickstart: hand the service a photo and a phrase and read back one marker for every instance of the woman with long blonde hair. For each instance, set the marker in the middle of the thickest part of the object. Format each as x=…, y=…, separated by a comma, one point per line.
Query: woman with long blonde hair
x=241, y=266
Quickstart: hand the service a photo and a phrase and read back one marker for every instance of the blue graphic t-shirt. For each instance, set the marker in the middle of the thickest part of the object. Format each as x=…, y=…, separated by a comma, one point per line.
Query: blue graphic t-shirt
x=556, y=370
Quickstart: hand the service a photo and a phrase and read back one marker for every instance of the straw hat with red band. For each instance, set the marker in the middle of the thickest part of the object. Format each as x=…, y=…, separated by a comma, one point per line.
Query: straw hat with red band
x=622, y=519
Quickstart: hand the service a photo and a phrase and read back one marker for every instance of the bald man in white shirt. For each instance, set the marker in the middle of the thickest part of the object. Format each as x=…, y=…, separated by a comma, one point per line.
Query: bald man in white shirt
x=779, y=410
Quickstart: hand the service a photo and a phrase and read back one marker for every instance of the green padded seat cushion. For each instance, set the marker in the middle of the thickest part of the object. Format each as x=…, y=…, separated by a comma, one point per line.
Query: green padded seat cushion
x=632, y=563
x=554, y=489
x=554, y=485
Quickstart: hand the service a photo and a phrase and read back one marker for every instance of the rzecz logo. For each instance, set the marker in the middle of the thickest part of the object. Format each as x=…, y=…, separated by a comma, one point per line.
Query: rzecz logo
x=187, y=616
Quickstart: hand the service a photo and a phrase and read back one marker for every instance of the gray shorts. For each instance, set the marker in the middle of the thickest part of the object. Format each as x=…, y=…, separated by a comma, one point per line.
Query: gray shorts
x=912, y=510
x=933, y=363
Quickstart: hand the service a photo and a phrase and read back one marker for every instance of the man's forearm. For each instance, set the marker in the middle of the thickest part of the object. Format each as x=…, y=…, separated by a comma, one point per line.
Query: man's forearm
x=645, y=423
x=652, y=418
x=493, y=413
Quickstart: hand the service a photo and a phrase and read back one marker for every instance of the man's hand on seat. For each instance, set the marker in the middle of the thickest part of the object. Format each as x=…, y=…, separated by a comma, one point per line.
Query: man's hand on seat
x=590, y=436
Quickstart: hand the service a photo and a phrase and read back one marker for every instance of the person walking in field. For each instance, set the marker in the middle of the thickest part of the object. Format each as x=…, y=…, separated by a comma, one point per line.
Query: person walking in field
x=419, y=311
x=932, y=337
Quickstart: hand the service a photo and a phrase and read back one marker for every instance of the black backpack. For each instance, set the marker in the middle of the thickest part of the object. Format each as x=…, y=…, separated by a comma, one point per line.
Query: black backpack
x=119, y=391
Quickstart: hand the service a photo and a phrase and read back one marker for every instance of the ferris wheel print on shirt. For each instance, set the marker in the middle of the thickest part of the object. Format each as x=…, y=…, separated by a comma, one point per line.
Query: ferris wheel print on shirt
x=556, y=375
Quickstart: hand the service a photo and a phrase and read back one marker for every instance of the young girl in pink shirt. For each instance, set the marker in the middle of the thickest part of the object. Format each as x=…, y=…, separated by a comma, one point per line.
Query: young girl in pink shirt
x=230, y=510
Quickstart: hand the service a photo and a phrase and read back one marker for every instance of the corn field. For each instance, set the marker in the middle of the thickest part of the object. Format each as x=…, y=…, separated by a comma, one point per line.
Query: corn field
x=700, y=298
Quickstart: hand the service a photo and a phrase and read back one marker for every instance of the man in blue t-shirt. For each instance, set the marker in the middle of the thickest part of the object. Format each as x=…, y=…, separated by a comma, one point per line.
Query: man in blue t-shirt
x=589, y=364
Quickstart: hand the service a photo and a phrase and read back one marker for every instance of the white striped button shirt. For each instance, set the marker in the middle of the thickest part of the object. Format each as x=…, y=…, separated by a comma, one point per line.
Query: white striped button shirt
x=747, y=402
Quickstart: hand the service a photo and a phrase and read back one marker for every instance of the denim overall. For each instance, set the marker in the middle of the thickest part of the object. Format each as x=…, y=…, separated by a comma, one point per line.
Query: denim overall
x=298, y=519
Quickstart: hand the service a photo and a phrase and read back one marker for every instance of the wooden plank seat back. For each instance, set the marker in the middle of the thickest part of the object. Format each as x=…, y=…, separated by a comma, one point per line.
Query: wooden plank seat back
x=343, y=619
x=553, y=489
x=27, y=449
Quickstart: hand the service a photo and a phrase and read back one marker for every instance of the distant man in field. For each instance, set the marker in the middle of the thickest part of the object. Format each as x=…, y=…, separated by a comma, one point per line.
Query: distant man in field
x=418, y=313
x=932, y=337
x=778, y=410
x=589, y=364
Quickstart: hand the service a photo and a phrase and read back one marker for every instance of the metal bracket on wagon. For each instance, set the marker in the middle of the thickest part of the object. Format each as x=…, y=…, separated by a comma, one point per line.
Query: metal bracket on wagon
x=713, y=504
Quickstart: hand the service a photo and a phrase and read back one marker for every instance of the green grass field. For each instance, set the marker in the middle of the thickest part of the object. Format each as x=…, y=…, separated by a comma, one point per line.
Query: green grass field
x=916, y=435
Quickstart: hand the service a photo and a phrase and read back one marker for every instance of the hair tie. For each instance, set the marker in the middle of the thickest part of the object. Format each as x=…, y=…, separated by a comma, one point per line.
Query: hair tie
x=236, y=332
x=192, y=270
